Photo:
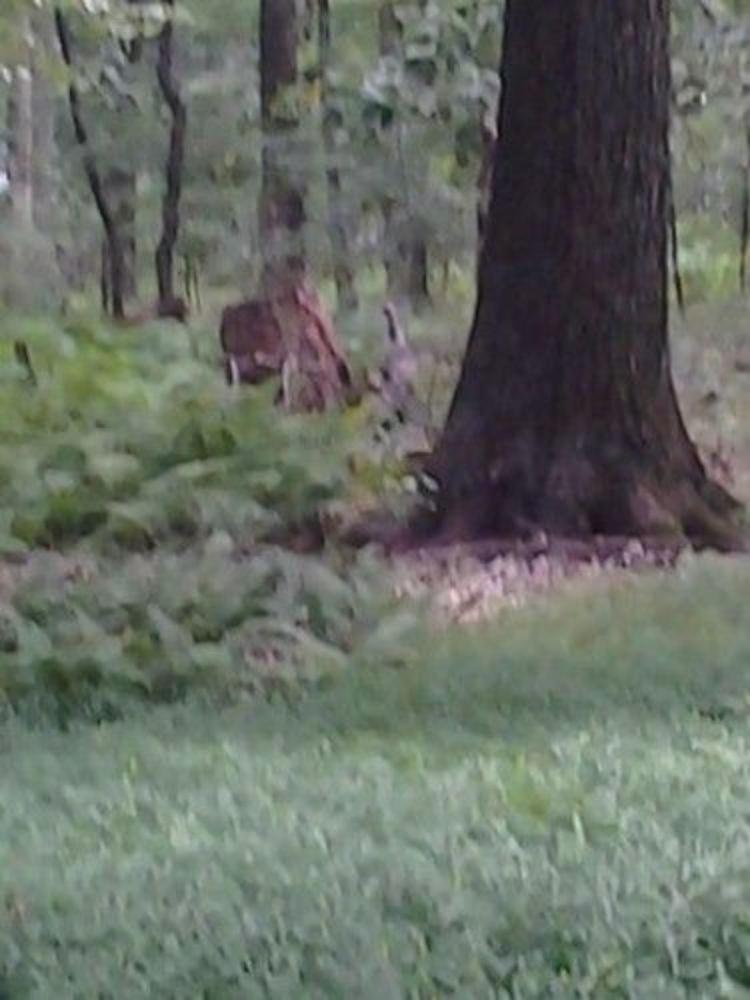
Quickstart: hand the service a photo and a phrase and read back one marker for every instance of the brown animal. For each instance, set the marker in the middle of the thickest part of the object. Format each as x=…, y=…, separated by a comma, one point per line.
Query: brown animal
x=252, y=343
x=290, y=336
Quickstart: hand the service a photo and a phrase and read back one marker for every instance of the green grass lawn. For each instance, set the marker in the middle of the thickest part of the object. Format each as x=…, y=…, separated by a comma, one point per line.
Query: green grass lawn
x=556, y=805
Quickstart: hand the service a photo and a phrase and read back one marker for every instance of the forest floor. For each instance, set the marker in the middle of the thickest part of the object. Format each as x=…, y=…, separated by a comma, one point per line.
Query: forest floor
x=711, y=351
x=230, y=770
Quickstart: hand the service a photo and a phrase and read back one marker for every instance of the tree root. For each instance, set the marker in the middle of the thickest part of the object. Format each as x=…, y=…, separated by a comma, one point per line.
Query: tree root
x=709, y=522
x=589, y=508
x=614, y=549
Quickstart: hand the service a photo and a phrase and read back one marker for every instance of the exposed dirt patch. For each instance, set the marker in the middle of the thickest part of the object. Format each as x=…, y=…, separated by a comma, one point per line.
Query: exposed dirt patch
x=469, y=583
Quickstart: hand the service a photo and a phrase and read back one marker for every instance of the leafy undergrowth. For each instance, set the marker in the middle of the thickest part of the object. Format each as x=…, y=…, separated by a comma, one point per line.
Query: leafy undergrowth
x=555, y=808
x=131, y=440
x=89, y=639
x=138, y=496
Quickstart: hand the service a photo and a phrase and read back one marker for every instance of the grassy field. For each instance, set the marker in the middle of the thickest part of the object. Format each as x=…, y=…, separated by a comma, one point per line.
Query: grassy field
x=227, y=770
x=557, y=807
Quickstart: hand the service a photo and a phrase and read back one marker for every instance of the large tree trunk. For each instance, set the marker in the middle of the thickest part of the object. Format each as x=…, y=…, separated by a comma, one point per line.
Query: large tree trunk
x=565, y=418
x=173, y=168
x=484, y=182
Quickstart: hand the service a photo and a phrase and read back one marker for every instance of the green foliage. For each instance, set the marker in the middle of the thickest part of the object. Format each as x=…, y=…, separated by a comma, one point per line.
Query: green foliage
x=88, y=639
x=709, y=259
x=159, y=487
x=555, y=807
x=29, y=280
x=709, y=138
x=292, y=789
x=406, y=130
x=130, y=437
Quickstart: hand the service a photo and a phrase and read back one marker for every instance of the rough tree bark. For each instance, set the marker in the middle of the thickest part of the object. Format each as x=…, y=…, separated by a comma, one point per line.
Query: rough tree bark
x=106, y=214
x=484, y=182
x=173, y=169
x=342, y=270
x=565, y=419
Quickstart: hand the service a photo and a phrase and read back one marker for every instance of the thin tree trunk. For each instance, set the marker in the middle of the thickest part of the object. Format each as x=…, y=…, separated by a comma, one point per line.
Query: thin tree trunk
x=121, y=183
x=406, y=257
x=745, y=218
x=343, y=272
x=417, y=256
x=174, y=165
x=565, y=418
x=389, y=34
x=105, y=279
x=282, y=201
x=114, y=245
x=45, y=167
x=21, y=131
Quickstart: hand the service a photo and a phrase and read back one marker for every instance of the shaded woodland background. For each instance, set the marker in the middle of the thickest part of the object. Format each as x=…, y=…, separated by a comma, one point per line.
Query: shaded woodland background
x=237, y=757
x=121, y=439
x=392, y=119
